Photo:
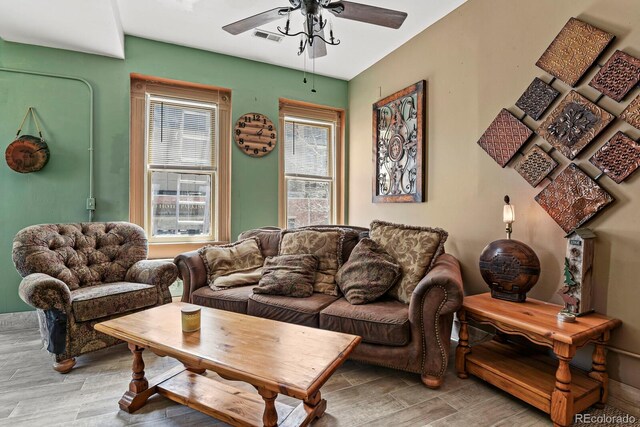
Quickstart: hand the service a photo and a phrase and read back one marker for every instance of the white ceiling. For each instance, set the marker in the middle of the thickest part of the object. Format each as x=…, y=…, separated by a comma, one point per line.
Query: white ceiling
x=98, y=26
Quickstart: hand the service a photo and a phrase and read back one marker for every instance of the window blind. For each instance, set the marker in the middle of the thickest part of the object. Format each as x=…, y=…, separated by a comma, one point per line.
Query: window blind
x=182, y=135
x=316, y=113
x=307, y=149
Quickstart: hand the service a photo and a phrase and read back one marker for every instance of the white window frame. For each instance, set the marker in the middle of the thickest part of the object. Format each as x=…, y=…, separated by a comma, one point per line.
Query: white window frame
x=212, y=234
x=332, y=164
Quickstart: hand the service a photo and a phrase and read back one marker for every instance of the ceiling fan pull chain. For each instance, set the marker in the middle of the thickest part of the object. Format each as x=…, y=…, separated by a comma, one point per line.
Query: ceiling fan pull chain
x=313, y=90
x=305, y=65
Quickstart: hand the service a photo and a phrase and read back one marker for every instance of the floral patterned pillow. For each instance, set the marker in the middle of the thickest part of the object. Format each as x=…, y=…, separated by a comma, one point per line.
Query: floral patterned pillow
x=325, y=244
x=414, y=248
x=225, y=260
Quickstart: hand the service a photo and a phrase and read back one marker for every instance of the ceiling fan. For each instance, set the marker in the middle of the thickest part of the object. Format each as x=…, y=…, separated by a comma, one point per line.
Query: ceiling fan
x=313, y=35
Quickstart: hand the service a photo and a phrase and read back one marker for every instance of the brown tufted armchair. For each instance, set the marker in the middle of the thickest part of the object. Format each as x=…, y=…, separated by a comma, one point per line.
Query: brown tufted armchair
x=77, y=275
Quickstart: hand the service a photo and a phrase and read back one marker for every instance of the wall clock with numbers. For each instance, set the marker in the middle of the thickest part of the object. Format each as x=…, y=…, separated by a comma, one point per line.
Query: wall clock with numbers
x=255, y=134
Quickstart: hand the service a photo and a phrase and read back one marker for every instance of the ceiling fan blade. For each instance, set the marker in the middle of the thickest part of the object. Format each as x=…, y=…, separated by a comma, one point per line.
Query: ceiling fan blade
x=256, y=20
x=368, y=14
x=319, y=48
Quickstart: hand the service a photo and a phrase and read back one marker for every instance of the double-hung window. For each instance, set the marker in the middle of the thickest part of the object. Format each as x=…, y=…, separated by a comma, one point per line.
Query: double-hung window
x=181, y=169
x=311, y=167
x=179, y=164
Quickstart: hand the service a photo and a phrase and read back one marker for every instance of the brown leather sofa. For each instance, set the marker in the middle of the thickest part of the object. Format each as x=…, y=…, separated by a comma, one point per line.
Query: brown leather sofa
x=413, y=338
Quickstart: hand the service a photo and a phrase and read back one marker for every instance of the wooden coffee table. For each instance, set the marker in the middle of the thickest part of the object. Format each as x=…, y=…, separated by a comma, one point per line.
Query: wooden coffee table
x=274, y=357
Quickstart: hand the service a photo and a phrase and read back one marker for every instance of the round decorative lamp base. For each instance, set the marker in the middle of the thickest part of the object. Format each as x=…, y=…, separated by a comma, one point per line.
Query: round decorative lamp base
x=510, y=268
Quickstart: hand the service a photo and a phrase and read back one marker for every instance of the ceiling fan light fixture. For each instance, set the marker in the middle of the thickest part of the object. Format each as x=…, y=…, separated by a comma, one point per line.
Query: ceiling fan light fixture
x=314, y=25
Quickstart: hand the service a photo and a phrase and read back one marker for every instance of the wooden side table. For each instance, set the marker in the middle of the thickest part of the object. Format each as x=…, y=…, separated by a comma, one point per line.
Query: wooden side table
x=537, y=379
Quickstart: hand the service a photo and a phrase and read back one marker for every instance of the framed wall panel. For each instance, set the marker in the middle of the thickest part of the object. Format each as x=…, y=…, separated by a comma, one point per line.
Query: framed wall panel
x=399, y=146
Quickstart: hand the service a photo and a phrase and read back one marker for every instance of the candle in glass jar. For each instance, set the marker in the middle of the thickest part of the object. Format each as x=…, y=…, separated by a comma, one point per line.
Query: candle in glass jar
x=190, y=319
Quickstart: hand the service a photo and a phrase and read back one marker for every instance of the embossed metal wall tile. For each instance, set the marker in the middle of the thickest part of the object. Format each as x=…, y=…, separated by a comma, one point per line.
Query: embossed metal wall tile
x=573, y=124
x=574, y=50
x=631, y=114
x=504, y=137
x=537, y=98
x=618, y=158
x=618, y=76
x=535, y=165
x=573, y=198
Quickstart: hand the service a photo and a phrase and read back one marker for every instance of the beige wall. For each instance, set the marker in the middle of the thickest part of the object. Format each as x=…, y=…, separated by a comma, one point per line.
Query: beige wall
x=477, y=60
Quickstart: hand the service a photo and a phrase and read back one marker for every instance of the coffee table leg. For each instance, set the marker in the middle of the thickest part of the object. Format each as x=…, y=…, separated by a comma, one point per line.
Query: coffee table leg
x=306, y=412
x=270, y=416
x=315, y=405
x=139, y=390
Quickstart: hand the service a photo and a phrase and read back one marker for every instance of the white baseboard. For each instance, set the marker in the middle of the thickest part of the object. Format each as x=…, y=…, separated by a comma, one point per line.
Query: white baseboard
x=17, y=321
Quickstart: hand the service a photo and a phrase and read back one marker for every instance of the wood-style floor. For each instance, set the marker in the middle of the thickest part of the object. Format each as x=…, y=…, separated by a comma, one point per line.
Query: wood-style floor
x=32, y=394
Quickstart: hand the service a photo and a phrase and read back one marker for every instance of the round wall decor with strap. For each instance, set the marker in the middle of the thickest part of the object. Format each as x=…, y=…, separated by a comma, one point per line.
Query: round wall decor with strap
x=27, y=153
x=255, y=134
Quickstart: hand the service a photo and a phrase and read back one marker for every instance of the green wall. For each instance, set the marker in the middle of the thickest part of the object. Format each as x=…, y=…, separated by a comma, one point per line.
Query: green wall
x=58, y=192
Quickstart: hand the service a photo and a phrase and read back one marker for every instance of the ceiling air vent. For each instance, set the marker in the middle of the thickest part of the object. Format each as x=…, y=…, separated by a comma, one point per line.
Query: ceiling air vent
x=261, y=34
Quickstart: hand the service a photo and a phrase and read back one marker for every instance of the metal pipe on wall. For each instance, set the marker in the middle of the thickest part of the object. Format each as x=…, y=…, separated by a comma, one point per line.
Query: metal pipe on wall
x=625, y=352
x=91, y=201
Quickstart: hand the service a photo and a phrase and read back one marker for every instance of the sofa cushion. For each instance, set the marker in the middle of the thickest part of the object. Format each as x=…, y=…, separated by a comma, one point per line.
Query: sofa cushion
x=368, y=274
x=301, y=311
x=232, y=299
x=223, y=260
x=414, y=248
x=382, y=322
x=99, y=301
x=288, y=275
x=326, y=244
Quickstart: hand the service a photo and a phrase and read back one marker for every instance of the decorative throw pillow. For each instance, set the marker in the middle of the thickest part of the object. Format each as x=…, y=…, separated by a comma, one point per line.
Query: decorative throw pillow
x=288, y=275
x=414, y=248
x=269, y=239
x=368, y=274
x=243, y=278
x=242, y=256
x=352, y=236
x=326, y=244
